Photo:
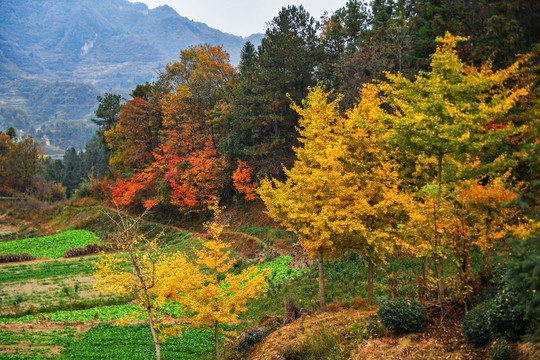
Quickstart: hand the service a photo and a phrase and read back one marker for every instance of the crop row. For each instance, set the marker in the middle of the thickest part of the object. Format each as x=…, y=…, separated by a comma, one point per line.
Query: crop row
x=49, y=269
x=53, y=246
x=134, y=342
x=33, y=344
x=105, y=313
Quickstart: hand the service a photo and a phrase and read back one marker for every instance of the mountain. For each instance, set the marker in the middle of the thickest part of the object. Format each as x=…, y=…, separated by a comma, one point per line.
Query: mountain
x=56, y=56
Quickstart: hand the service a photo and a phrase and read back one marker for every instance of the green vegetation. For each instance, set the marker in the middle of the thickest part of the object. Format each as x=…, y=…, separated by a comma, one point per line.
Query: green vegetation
x=34, y=344
x=21, y=273
x=345, y=286
x=65, y=306
x=280, y=271
x=135, y=343
x=105, y=313
x=53, y=246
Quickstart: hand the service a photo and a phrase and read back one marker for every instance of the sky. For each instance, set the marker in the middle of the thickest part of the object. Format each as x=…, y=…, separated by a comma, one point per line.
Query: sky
x=241, y=17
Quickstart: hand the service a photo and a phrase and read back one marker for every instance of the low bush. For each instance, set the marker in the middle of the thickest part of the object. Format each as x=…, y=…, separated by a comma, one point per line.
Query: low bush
x=506, y=318
x=475, y=326
x=499, y=317
x=403, y=315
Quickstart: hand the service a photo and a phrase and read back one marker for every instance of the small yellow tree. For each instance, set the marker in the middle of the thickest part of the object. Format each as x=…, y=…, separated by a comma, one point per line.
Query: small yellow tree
x=155, y=279
x=210, y=300
x=131, y=271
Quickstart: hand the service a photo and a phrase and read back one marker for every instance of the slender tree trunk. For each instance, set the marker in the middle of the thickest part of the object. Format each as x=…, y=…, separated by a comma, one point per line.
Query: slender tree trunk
x=322, y=296
x=370, y=280
x=147, y=304
x=489, y=251
x=425, y=268
x=154, y=333
x=437, y=260
x=216, y=340
x=422, y=280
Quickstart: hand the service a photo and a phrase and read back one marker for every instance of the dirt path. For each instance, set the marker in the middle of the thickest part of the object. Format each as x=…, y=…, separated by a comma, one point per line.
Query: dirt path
x=7, y=229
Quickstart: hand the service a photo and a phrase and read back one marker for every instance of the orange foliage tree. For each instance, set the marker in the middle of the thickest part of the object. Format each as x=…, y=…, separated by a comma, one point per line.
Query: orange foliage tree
x=243, y=182
x=486, y=213
x=184, y=167
x=134, y=136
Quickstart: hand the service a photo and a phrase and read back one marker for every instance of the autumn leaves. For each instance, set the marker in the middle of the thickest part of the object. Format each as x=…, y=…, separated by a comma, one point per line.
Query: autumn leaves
x=411, y=164
x=209, y=295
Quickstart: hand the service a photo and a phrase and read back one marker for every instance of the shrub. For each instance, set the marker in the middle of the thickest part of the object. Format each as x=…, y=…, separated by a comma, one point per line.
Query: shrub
x=83, y=190
x=475, y=326
x=506, y=318
x=499, y=317
x=500, y=350
x=403, y=315
x=57, y=192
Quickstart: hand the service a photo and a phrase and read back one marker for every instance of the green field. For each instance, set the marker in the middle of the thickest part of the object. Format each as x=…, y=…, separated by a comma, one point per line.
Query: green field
x=53, y=246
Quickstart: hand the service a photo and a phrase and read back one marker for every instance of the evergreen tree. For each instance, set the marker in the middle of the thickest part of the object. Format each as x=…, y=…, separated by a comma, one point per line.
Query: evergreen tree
x=108, y=111
x=95, y=158
x=73, y=171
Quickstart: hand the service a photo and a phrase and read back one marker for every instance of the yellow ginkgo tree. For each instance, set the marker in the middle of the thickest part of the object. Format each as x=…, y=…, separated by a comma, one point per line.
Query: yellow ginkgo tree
x=214, y=297
x=342, y=192
x=133, y=270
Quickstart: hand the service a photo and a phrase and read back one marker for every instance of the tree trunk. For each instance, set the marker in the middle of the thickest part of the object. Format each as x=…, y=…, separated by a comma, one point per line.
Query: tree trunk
x=154, y=334
x=437, y=260
x=425, y=268
x=370, y=281
x=438, y=274
x=216, y=340
x=489, y=251
x=322, y=296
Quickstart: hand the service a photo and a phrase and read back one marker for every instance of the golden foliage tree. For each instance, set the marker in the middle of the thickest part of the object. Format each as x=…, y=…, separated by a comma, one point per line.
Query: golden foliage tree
x=342, y=192
x=209, y=295
x=211, y=299
x=131, y=271
x=442, y=113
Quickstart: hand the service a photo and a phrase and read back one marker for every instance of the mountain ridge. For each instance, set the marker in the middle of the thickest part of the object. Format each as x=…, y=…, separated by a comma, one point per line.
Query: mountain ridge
x=89, y=47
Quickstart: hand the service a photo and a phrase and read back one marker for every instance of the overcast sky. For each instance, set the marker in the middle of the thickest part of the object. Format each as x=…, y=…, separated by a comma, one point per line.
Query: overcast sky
x=241, y=17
